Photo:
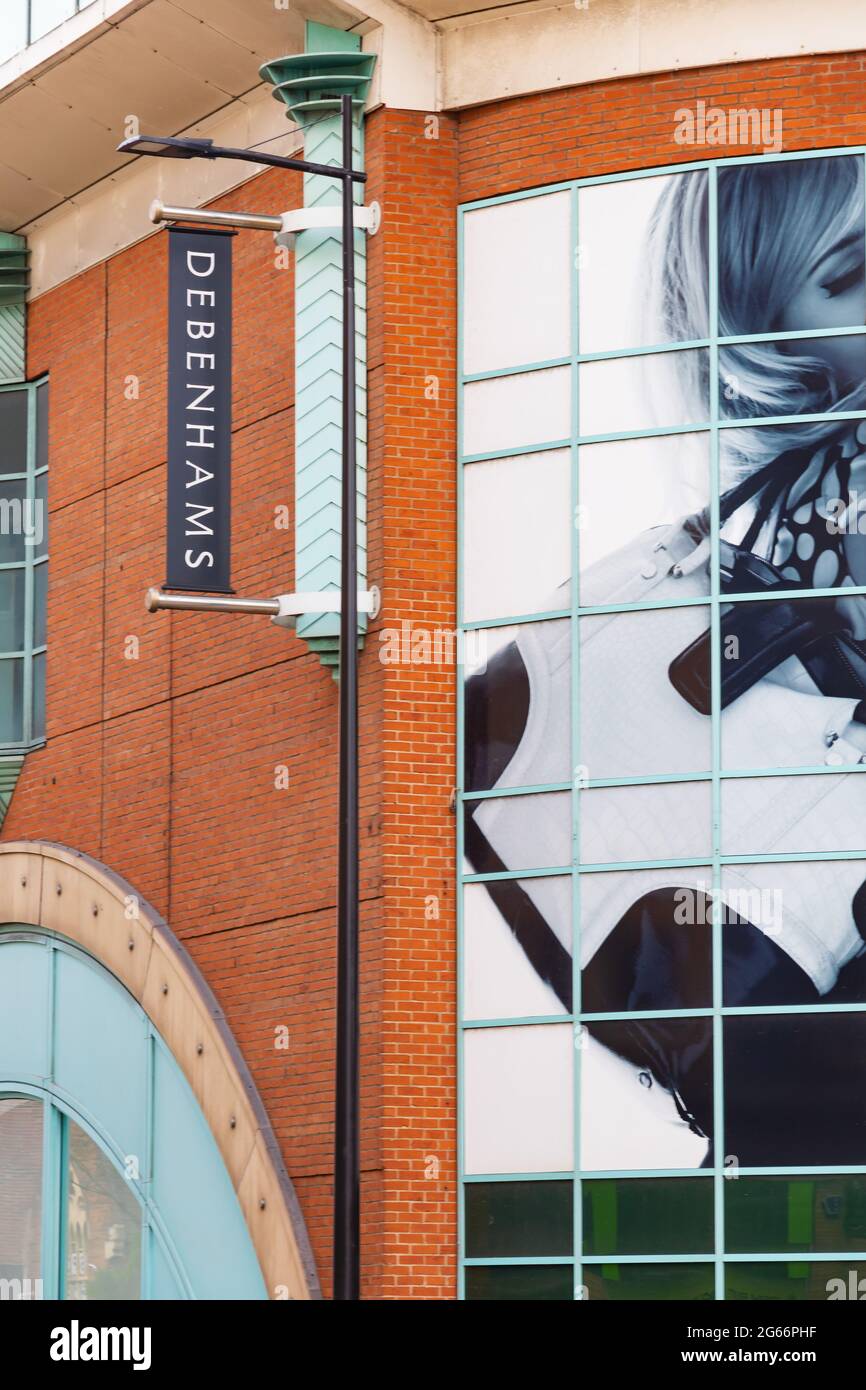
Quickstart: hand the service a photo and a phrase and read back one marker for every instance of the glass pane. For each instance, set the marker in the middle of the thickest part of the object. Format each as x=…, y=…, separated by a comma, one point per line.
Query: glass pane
x=633, y=721
x=520, y=1283
x=655, y=391
x=13, y=28
x=803, y=222
x=517, y=534
x=38, y=730
x=518, y=1091
x=42, y=425
x=511, y=320
x=793, y=377
x=627, y=487
x=16, y=520
x=793, y=679
x=686, y=1283
x=515, y=412
x=11, y=610
x=40, y=594
x=103, y=1225
x=47, y=14
x=517, y=948
x=643, y=262
x=13, y=431
x=518, y=832
x=506, y=1219
x=647, y=1093
x=795, y=1090
x=39, y=520
x=661, y=820
x=518, y=705
x=794, y=932
x=816, y=1281
x=825, y=1212
x=646, y=940
x=21, y=1195
x=648, y=1216
x=11, y=700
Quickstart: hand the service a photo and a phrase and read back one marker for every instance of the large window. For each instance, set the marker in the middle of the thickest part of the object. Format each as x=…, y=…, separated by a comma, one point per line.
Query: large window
x=23, y=562
x=663, y=734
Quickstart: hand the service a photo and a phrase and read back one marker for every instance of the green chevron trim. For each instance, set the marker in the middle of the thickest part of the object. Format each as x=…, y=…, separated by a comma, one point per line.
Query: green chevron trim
x=10, y=768
x=310, y=85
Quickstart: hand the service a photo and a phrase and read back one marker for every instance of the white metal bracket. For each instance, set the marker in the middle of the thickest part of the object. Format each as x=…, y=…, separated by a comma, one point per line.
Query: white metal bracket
x=367, y=219
x=294, y=606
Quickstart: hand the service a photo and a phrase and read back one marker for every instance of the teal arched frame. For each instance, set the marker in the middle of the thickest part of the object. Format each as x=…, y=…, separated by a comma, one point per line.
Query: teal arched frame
x=73, y=1037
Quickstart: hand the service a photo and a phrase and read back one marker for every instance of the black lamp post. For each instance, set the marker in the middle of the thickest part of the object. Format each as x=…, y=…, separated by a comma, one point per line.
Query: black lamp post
x=347, y=1168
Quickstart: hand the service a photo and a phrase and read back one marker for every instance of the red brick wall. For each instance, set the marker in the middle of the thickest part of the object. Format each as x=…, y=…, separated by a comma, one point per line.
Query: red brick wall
x=163, y=766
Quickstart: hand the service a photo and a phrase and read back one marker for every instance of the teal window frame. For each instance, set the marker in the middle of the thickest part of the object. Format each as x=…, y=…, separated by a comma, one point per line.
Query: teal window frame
x=712, y=427
x=33, y=710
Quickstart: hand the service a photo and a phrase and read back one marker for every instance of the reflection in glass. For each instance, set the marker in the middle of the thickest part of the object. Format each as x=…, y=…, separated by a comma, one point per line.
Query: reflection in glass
x=686, y=1283
x=13, y=431
x=520, y=1283
x=21, y=1194
x=517, y=947
x=795, y=1089
x=824, y=1212
x=518, y=1218
x=813, y=1281
x=648, y=1216
x=38, y=729
x=518, y=832
x=16, y=518
x=517, y=534
x=518, y=705
x=103, y=1225
x=646, y=1093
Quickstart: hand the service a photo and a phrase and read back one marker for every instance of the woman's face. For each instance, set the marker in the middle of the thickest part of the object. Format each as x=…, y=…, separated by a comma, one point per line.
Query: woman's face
x=832, y=296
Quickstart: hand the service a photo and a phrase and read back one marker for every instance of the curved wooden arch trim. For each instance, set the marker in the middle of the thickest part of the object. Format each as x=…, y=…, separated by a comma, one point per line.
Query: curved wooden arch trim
x=64, y=891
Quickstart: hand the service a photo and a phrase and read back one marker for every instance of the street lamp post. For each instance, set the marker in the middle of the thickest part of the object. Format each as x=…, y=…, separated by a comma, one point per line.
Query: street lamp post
x=346, y=1259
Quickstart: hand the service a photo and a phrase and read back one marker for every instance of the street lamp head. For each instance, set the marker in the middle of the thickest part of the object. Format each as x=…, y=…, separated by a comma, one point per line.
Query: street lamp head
x=168, y=146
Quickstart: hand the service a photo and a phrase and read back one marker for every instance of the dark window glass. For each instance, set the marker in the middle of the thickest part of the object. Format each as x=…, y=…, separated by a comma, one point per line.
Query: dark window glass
x=42, y=425
x=39, y=695
x=518, y=1218
x=815, y=1281
x=40, y=589
x=779, y=1214
x=648, y=1216
x=685, y=1283
x=11, y=700
x=16, y=520
x=11, y=610
x=520, y=1283
x=13, y=431
x=795, y=1089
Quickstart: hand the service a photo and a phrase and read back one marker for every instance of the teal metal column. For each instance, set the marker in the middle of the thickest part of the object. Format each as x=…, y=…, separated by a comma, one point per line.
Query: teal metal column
x=311, y=85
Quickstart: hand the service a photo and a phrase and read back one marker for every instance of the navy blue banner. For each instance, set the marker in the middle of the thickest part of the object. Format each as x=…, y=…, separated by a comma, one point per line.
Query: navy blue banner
x=199, y=410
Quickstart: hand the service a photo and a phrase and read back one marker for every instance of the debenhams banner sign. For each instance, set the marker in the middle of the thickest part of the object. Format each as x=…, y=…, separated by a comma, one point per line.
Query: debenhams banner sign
x=199, y=410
